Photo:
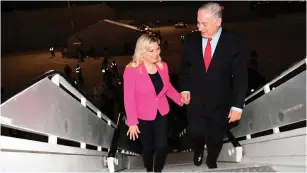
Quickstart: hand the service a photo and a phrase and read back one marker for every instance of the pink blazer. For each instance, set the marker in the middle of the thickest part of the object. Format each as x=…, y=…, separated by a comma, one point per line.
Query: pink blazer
x=141, y=101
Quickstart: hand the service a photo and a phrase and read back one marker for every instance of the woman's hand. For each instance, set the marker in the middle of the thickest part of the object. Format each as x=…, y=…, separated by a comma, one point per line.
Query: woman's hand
x=133, y=132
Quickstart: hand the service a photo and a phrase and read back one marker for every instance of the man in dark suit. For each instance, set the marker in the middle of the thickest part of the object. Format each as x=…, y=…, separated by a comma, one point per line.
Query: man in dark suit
x=213, y=82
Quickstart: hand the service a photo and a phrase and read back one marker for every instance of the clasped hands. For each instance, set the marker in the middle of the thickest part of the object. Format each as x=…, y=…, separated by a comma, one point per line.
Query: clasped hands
x=185, y=98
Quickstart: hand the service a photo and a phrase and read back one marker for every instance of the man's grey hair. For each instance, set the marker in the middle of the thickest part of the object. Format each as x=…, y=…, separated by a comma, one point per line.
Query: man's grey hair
x=215, y=8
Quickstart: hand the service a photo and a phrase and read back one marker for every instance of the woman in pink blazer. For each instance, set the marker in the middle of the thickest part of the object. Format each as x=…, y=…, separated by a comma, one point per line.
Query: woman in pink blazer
x=146, y=88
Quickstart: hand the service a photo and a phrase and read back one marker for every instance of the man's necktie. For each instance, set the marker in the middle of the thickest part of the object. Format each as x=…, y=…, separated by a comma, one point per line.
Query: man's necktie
x=207, y=54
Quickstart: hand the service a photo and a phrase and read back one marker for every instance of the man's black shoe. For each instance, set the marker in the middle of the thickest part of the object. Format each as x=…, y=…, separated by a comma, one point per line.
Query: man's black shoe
x=198, y=158
x=211, y=165
x=149, y=170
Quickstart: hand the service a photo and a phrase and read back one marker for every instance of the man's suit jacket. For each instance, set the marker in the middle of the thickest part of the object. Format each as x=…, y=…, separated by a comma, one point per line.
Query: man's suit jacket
x=224, y=84
x=140, y=98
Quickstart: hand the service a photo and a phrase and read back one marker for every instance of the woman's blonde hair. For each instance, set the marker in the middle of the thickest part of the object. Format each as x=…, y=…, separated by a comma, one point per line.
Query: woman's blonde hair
x=143, y=44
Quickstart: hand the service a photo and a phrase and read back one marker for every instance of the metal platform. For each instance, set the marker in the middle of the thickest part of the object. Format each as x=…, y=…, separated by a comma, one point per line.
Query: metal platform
x=226, y=167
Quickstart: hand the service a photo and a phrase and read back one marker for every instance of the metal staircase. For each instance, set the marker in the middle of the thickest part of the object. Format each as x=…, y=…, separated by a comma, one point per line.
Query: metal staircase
x=272, y=132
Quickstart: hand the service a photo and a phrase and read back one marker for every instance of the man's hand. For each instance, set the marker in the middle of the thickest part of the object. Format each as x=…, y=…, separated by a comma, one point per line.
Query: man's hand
x=133, y=132
x=185, y=98
x=234, y=116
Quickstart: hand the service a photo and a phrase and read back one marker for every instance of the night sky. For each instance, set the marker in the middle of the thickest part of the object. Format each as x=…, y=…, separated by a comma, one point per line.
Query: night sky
x=9, y=6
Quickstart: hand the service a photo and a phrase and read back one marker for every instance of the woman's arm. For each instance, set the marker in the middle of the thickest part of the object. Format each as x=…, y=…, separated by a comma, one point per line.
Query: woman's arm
x=171, y=91
x=129, y=96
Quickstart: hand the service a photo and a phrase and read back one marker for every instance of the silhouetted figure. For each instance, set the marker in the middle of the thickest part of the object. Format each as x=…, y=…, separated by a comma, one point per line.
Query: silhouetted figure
x=114, y=69
x=108, y=79
x=68, y=73
x=52, y=52
x=80, y=55
x=104, y=65
x=182, y=39
x=107, y=75
x=255, y=78
x=80, y=80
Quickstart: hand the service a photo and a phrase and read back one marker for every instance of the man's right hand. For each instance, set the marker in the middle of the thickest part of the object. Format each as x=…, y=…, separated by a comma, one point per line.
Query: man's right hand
x=133, y=132
x=185, y=97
